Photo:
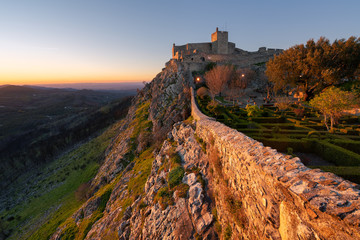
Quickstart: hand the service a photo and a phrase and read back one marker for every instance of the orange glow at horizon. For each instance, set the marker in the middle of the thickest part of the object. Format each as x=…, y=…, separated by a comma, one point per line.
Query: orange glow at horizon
x=68, y=79
x=19, y=66
x=67, y=73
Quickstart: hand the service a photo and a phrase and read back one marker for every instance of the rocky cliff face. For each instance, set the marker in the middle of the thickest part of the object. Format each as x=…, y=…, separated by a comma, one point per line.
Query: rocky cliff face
x=138, y=192
x=166, y=178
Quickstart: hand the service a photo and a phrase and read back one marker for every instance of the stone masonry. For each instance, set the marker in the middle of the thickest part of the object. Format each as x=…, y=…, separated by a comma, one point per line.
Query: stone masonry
x=220, y=50
x=282, y=198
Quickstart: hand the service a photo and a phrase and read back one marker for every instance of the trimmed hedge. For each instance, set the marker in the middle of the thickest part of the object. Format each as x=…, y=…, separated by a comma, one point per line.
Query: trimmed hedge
x=329, y=152
x=315, y=127
x=281, y=132
x=287, y=126
x=335, y=154
x=269, y=119
x=282, y=144
x=353, y=146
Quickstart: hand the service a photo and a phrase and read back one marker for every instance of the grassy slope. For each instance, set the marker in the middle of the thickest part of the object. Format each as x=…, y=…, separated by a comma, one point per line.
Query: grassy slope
x=135, y=186
x=39, y=218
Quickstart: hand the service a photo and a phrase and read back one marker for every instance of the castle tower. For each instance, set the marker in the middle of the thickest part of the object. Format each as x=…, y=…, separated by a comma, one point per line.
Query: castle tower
x=173, y=51
x=220, y=42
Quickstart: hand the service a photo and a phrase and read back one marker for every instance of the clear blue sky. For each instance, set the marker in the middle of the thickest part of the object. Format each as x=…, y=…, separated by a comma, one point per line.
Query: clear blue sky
x=102, y=41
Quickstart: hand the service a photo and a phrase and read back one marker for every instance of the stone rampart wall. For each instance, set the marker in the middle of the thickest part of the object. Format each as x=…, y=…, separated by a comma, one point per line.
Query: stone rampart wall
x=282, y=198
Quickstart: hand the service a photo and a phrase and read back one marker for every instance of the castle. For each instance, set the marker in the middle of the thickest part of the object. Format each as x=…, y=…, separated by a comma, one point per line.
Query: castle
x=219, y=45
x=220, y=50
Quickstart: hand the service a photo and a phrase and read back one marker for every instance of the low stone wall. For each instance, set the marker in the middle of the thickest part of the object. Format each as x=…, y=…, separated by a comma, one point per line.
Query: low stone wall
x=282, y=198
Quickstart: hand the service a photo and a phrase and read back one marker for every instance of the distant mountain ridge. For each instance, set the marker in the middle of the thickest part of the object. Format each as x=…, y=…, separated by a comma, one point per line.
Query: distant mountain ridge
x=96, y=86
x=78, y=86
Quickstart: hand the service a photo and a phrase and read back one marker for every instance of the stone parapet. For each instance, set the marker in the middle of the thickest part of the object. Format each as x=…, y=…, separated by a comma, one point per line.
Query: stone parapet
x=281, y=197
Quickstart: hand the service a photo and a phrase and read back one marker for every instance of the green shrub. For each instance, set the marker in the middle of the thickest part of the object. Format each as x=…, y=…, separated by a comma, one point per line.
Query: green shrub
x=282, y=126
x=335, y=154
x=290, y=151
x=253, y=110
x=104, y=199
x=314, y=134
x=164, y=192
x=269, y=119
x=182, y=190
x=175, y=176
x=175, y=159
x=164, y=197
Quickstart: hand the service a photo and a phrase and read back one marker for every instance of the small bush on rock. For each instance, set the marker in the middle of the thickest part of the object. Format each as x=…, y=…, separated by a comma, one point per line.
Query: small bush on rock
x=182, y=190
x=175, y=176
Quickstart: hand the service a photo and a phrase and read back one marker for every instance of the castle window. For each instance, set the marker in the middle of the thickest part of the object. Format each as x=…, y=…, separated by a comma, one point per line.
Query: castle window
x=202, y=59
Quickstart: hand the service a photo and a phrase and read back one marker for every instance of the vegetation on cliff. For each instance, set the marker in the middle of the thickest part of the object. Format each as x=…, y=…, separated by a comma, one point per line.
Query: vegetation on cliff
x=53, y=189
x=128, y=162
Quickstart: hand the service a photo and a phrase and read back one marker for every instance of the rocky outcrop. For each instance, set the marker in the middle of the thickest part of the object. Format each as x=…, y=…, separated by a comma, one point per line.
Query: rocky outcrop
x=116, y=209
x=187, y=216
x=169, y=96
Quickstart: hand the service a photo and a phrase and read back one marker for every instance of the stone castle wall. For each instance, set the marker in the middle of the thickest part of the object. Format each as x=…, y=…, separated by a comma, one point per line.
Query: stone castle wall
x=222, y=51
x=281, y=198
x=188, y=49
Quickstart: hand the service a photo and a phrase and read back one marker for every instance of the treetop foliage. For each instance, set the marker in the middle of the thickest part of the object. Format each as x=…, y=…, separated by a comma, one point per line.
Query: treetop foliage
x=332, y=103
x=316, y=65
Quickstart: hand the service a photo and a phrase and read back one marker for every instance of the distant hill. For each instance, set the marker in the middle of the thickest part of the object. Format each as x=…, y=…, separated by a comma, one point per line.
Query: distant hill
x=96, y=86
x=14, y=89
x=36, y=123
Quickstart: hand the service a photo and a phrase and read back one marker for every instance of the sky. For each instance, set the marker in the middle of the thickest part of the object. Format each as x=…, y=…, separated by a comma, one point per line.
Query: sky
x=68, y=41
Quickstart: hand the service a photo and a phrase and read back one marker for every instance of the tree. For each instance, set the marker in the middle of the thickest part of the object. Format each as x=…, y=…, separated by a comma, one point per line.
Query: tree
x=238, y=83
x=252, y=110
x=315, y=66
x=217, y=78
x=332, y=103
x=283, y=102
x=241, y=78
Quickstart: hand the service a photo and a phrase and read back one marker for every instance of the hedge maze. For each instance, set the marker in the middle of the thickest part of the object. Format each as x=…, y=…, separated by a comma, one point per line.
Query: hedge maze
x=296, y=131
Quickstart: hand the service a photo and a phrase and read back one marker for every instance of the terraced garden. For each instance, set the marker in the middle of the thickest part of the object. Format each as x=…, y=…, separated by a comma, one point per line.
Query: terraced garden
x=297, y=131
